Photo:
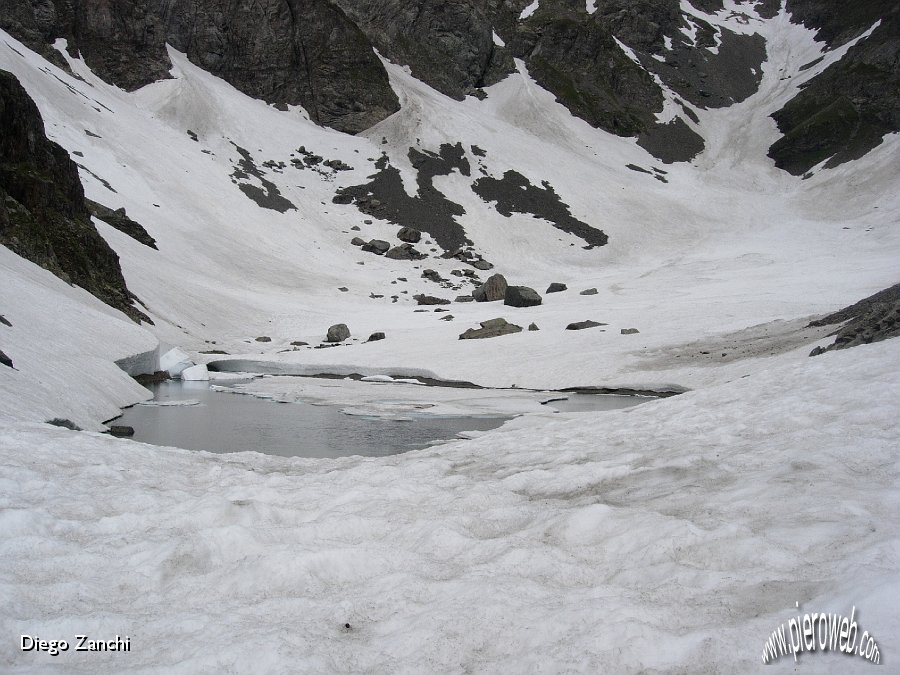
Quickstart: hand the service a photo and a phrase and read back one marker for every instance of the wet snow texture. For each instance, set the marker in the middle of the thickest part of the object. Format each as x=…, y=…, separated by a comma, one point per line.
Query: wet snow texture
x=677, y=534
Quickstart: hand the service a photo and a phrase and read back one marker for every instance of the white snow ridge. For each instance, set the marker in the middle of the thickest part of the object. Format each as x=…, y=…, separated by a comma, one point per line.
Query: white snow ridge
x=668, y=537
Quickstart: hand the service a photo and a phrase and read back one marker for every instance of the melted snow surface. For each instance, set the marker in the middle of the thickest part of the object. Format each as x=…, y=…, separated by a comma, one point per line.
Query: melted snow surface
x=675, y=535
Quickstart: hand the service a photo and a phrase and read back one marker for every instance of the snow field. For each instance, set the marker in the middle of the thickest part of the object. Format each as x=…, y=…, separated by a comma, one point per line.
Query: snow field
x=675, y=535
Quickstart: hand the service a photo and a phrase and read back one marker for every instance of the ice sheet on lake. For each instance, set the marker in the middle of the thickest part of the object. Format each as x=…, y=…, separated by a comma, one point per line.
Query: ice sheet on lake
x=170, y=404
x=389, y=398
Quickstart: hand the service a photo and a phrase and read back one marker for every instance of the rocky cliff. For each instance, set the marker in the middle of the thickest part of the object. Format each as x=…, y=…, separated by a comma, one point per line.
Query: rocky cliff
x=319, y=54
x=847, y=110
x=298, y=52
x=43, y=216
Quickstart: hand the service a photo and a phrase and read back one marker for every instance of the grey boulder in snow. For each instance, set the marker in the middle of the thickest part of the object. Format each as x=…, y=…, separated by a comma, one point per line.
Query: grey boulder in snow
x=521, y=296
x=337, y=333
x=492, y=289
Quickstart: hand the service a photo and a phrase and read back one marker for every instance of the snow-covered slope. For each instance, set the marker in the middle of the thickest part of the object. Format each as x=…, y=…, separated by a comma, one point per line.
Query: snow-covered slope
x=647, y=539
x=673, y=537
x=727, y=243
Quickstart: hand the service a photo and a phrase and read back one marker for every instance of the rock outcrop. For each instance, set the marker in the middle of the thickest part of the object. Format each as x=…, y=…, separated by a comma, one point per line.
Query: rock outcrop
x=581, y=325
x=43, y=215
x=491, y=328
x=448, y=45
x=848, y=109
x=119, y=219
x=870, y=320
x=303, y=52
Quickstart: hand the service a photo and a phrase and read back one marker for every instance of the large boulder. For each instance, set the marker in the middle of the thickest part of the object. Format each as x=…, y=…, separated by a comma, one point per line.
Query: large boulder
x=377, y=246
x=337, y=333
x=492, y=289
x=521, y=296
x=556, y=287
x=404, y=252
x=491, y=328
x=409, y=234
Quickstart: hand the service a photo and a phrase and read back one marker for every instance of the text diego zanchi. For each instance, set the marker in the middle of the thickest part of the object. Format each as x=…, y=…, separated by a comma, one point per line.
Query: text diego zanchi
x=81, y=643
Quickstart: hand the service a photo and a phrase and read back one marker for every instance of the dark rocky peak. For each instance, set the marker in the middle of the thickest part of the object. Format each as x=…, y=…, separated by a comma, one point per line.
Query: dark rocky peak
x=836, y=22
x=303, y=52
x=847, y=109
x=43, y=215
x=448, y=44
x=573, y=55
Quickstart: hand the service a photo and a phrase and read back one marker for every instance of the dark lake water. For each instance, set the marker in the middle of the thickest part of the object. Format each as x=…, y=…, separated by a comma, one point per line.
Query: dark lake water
x=226, y=422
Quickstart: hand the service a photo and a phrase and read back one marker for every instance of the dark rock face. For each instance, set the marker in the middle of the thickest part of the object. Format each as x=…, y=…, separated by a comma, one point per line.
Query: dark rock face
x=5, y=360
x=838, y=22
x=375, y=337
x=337, y=333
x=43, y=216
x=556, y=287
x=588, y=291
x=358, y=241
x=120, y=220
x=672, y=142
x=629, y=331
x=447, y=43
x=283, y=51
x=514, y=193
x=429, y=210
x=491, y=290
x=870, y=320
x=268, y=196
x=573, y=55
x=489, y=329
x=846, y=110
x=521, y=296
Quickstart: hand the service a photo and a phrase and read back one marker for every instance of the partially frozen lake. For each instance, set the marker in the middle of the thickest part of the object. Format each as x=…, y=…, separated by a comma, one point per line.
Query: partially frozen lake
x=195, y=416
